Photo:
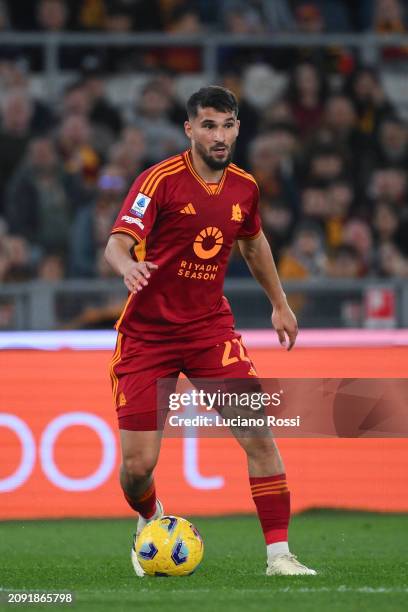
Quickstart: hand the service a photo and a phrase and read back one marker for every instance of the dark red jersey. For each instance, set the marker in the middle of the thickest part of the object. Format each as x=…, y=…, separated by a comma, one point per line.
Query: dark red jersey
x=187, y=227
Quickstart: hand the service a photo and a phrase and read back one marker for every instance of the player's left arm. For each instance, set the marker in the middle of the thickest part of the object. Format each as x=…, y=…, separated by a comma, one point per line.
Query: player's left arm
x=258, y=256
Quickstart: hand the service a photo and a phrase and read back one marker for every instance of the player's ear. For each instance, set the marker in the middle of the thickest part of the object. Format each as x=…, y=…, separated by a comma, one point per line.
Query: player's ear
x=187, y=129
x=238, y=123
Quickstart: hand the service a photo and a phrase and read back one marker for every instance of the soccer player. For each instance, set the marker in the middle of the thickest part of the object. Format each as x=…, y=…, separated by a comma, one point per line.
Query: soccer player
x=171, y=243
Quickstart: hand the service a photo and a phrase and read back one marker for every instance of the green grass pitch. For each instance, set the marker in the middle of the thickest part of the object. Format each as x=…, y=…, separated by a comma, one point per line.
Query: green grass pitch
x=362, y=560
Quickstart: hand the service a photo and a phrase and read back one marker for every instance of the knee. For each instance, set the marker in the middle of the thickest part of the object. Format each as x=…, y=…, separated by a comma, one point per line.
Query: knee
x=138, y=467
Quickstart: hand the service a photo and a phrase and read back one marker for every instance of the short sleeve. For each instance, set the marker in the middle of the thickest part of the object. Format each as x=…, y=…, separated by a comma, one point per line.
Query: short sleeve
x=138, y=212
x=251, y=226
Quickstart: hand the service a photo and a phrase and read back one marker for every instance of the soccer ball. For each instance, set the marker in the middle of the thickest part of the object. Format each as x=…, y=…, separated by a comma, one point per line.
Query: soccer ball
x=169, y=546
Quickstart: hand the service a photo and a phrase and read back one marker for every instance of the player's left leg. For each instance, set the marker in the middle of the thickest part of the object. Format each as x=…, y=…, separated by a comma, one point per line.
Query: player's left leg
x=230, y=360
x=271, y=496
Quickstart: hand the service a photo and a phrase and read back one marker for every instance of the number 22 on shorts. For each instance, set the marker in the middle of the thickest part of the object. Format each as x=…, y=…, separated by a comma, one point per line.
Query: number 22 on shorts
x=227, y=358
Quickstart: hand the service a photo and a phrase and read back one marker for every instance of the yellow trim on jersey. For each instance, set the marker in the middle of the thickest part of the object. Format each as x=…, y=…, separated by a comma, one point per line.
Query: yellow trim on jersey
x=158, y=168
x=194, y=173
x=140, y=250
x=243, y=174
x=117, y=356
x=221, y=183
x=161, y=177
x=126, y=230
x=205, y=185
x=119, y=321
x=149, y=186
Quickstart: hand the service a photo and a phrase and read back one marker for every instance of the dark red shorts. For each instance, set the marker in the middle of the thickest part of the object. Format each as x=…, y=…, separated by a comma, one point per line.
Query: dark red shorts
x=137, y=365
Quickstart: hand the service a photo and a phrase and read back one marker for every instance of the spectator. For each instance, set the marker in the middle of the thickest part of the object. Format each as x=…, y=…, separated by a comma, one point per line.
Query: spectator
x=314, y=204
x=340, y=196
x=75, y=100
x=74, y=145
x=277, y=112
x=56, y=16
x=340, y=118
x=337, y=15
x=326, y=164
x=52, y=15
x=129, y=15
x=390, y=224
x=392, y=262
x=185, y=19
x=93, y=223
x=392, y=146
x=345, y=262
x=368, y=96
x=16, y=115
x=176, y=113
x=389, y=18
x=18, y=266
x=305, y=257
x=162, y=137
x=251, y=16
x=4, y=16
x=100, y=111
x=239, y=17
x=248, y=116
x=386, y=221
x=340, y=123
x=388, y=184
x=51, y=268
x=307, y=91
x=129, y=154
x=271, y=158
x=278, y=222
x=358, y=234
x=309, y=18
x=42, y=197
x=92, y=15
x=14, y=75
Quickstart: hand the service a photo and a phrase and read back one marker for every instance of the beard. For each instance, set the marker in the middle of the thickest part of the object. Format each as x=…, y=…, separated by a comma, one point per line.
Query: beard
x=215, y=164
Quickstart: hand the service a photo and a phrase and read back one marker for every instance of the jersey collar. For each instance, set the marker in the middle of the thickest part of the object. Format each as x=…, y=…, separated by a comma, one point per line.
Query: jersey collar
x=204, y=185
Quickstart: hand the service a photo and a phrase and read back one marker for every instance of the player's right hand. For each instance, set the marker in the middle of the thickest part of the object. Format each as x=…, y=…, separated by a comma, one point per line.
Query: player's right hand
x=137, y=275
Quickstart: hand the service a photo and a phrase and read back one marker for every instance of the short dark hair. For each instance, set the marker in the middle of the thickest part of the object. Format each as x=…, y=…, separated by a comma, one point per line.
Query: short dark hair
x=220, y=98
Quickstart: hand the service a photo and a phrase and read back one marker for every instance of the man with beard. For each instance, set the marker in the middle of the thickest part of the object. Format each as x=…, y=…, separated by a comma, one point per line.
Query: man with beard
x=171, y=243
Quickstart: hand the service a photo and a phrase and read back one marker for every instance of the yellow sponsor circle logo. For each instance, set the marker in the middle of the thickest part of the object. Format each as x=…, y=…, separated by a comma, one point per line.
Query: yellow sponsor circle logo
x=213, y=239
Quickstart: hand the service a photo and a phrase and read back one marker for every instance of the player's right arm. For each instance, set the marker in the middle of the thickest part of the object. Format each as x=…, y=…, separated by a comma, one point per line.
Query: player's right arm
x=133, y=224
x=135, y=274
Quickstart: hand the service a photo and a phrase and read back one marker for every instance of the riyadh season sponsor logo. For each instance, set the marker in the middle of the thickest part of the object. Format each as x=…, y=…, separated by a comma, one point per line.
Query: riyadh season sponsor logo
x=131, y=220
x=140, y=204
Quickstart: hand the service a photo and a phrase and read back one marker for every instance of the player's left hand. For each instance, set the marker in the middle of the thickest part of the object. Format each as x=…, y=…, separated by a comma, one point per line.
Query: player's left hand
x=285, y=324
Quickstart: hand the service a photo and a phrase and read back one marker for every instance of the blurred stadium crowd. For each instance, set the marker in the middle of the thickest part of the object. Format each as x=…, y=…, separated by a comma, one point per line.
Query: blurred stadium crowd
x=327, y=147
x=192, y=16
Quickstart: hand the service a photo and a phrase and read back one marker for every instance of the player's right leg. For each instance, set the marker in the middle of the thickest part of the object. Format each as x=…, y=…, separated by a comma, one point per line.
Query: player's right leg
x=135, y=368
x=140, y=452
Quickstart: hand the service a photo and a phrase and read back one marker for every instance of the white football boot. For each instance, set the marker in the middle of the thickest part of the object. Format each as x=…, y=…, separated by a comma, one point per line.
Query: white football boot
x=287, y=564
x=142, y=522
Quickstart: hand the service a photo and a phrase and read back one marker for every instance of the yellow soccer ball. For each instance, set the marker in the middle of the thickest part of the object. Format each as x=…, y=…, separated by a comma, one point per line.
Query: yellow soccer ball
x=169, y=546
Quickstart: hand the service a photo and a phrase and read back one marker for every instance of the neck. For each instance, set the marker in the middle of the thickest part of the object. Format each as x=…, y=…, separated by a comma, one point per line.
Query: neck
x=205, y=172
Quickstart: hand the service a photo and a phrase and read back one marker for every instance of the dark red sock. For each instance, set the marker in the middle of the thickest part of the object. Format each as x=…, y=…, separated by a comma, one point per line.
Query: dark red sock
x=272, y=500
x=146, y=503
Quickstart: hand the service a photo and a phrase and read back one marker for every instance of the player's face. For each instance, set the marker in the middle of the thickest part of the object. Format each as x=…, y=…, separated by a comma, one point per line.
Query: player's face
x=213, y=135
